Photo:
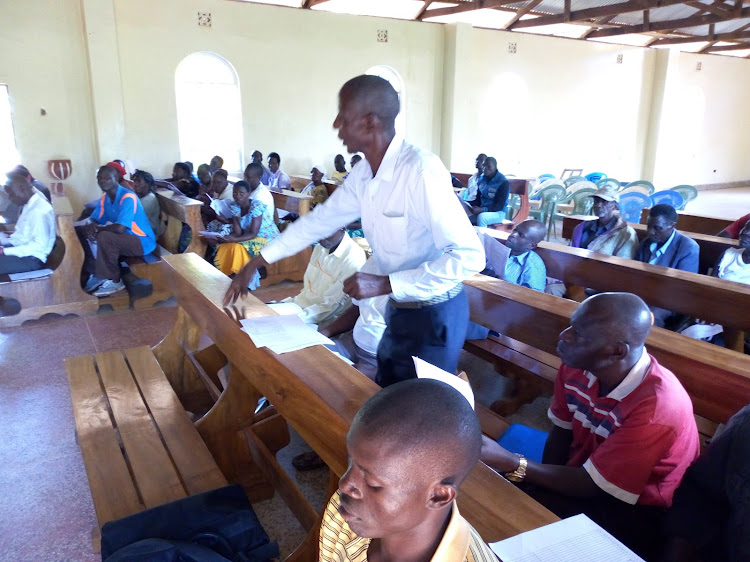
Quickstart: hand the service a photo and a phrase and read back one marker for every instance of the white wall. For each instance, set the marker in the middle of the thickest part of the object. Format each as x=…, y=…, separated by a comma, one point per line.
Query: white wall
x=291, y=64
x=43, y=61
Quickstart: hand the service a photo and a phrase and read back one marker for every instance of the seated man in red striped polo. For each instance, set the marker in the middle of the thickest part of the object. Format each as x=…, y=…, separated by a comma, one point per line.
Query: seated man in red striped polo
x=624, y=432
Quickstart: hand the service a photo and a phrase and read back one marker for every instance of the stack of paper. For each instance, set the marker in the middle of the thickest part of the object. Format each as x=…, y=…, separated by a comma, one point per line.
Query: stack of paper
x=282, y=334
x=427, y=370
x=571, y=540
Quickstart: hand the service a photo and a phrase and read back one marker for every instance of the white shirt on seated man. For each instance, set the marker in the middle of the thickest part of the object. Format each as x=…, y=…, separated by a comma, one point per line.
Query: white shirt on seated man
x=322, y=298
x=27, y=248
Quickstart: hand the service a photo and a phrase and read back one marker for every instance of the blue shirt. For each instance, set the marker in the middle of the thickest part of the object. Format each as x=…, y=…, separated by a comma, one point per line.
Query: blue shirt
x=526, y=270
x=126, y=210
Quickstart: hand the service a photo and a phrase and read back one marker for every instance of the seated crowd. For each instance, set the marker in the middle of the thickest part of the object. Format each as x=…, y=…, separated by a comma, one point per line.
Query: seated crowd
x=624, y=448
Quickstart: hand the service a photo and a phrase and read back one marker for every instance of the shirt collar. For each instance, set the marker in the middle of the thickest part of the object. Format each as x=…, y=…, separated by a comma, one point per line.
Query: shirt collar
x=631, y=381
x=660, y=251
x=455, y=541
x=607, y=227
x=388, y=165
x=520, y=258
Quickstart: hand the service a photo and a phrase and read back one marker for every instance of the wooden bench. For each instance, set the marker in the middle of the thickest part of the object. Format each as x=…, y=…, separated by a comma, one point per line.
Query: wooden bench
x=695, y=223
x=711, y=247
x=139, y=447
x=717, y=379
x=700, y=296
x=316, y=393
x=59, y=292
x=184, y=210
x=300, y=182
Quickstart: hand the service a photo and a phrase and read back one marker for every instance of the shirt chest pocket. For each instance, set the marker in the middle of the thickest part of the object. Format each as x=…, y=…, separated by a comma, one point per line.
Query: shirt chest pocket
x=392, y=232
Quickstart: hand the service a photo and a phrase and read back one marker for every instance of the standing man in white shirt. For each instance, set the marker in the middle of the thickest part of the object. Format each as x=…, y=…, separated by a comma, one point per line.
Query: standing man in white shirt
x=423, y=244
x=27, y=248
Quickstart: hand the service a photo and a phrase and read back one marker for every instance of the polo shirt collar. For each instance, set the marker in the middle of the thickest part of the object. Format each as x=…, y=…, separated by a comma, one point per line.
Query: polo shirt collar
x=631, y=381
x=388, y=165
x=455, y=541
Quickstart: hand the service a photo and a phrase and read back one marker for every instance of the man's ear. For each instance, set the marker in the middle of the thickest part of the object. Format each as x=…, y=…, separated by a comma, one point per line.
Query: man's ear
x=621, y=350
x=441, y=495
x=371, y=122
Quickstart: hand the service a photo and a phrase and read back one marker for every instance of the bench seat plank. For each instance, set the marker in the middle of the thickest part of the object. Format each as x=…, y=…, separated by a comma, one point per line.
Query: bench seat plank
x=192, y=458
x=153, y=472
x=110, y=481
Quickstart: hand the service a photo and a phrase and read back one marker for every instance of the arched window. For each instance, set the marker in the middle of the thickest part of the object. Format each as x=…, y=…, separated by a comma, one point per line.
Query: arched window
x=395, y=80
x=8, y=153
x=209, y=113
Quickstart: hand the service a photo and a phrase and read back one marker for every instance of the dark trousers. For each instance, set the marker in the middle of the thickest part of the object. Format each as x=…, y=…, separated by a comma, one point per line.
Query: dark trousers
x=639, y=527
x=434, y=333
x=15, y=264
x=110, y=247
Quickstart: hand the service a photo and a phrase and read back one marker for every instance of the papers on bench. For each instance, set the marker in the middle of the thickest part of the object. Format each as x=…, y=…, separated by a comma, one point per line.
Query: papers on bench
x=427, y=370
x=29, y=274
x=570, y=540
x=282, y=334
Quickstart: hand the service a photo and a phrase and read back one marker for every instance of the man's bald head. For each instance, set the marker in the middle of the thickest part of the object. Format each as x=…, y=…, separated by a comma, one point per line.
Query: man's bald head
x=606, y=329
x=526, y=236
x=372, y=95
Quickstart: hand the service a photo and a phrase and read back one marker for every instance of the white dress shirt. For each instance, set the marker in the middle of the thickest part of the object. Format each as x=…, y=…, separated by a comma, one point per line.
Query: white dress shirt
x=322, y=294
x=420, y=237
x=733, y=268
x=35, y=230
x=368, y=331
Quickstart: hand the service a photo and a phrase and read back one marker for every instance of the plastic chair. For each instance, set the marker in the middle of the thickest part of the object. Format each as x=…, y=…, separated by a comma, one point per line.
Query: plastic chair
x=668, y=196
x=545, y=177
x=582, y=201
x=631, y=205
x=573, y=179
x=595, y=176
x=535, y=194
x=606, y=182
x=577, y=186
x=550, y=196
x=688, y=193
x=645, y=183
x=635, y=189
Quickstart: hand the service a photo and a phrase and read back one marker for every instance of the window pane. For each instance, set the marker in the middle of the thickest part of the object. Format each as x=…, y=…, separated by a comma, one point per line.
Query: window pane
x=8, y=153
x=209, y=116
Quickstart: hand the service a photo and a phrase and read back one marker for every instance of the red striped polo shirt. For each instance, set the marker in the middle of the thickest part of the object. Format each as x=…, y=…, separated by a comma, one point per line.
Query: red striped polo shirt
x=636, y=442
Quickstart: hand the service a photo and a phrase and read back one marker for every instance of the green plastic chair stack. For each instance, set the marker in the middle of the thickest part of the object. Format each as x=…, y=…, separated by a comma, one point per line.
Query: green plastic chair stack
x=573, y=179
x=688, y=193
x=550, y=196
x=647, y=184
x=608, y=182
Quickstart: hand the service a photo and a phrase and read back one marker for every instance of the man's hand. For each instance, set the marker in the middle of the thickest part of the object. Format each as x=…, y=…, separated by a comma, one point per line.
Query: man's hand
x=90, y=231
x=366, y=285
x=477, y=210
x=498, y=458
x=238, y=288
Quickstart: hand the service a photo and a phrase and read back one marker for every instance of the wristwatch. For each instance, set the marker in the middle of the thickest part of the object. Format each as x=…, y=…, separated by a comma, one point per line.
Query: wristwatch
x=520, y=473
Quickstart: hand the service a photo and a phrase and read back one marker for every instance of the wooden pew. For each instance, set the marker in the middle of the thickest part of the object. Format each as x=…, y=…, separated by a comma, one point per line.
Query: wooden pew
x=717, y=379
x=300, y=182
x=695, y=223
x=711, y=247
x=291, y=201
x=700, y=296
x=187, y=211
x=313, y=390
x=60, y=292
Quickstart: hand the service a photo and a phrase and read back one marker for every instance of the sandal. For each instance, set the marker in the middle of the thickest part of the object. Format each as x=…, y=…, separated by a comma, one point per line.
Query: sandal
x=307, y=461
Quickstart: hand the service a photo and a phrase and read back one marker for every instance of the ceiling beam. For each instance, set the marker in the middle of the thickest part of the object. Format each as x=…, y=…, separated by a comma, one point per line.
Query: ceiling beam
x=596, y=24
x=522, y=12
x=423, y=9
x=311, y=3
x=697, y=38
x=715, y=8
x=691, y=21
x=737, y=47
x=467, y=7
x=599, y=11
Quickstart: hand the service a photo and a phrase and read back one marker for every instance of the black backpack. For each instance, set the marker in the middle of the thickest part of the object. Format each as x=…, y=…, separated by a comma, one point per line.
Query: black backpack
x=214, y=526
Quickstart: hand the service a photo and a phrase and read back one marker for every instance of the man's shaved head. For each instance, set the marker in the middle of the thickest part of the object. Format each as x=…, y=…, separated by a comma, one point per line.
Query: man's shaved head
x=606, y=329
x=373, y=95
x=525, y=236
x=410, y=447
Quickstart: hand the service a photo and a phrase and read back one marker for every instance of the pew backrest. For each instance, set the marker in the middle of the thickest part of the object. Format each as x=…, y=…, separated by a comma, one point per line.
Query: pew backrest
x=695, y=223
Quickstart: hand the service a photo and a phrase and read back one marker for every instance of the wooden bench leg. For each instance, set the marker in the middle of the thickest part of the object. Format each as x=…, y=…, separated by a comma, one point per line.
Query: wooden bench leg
x=172, y=355
x=524, y=389
x=222, y=430
x=308, y=548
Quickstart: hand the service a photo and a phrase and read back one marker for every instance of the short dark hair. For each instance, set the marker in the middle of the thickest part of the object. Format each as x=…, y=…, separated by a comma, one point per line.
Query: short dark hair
x=183, y=166
x=254, y=167
x=274, y=155
x=664, y=210
x=491, y=160
x=243, y=184
x=219, y=158
x=374, y=95
x=145, y=176
x=221, y=172
x=108, y=168
x=189, y=165
x=425, y=417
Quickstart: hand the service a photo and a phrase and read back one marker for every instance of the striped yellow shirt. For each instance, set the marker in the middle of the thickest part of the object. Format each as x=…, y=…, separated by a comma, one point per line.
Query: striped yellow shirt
x=338, y=543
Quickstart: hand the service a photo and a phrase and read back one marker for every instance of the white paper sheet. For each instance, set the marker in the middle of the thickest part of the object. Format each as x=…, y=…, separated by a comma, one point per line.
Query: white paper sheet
x=427, y=370
x=282, y=334
x=575, y=539
x=497, y=254
x=222, y=207
x=30, y=274
x=285, y=308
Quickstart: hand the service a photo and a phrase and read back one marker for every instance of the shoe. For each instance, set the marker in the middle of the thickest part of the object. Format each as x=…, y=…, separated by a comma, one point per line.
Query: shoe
x=307, y=461
x=93, y=283
x=109, y=287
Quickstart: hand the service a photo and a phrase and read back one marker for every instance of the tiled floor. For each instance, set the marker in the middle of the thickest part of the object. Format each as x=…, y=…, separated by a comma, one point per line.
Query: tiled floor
x=46, y=511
